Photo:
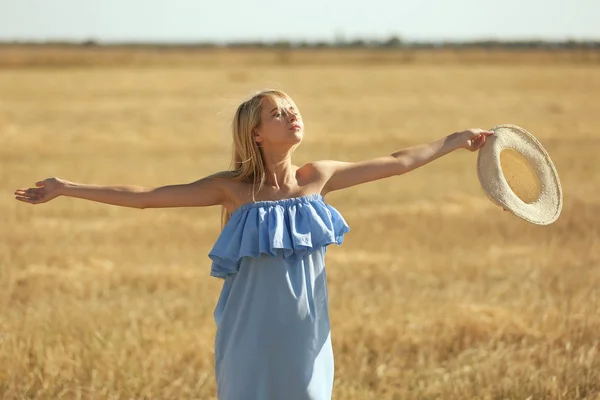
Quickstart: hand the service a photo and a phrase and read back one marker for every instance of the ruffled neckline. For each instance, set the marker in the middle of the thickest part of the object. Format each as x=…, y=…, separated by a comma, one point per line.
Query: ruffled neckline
x=280, y=202
x=288, y=228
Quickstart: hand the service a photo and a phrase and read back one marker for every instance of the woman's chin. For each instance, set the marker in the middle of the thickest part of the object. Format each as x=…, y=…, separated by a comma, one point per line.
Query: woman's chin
x=298, y=135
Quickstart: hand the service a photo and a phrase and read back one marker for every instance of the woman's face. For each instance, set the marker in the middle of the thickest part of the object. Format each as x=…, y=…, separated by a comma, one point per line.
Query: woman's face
x=280, y=124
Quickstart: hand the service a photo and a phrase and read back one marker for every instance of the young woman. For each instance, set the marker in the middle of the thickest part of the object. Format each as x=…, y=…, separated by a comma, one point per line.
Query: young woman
x=273, y=334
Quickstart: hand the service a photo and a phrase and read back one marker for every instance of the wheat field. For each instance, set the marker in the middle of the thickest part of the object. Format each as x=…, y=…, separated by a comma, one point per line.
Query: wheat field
x=436, y=293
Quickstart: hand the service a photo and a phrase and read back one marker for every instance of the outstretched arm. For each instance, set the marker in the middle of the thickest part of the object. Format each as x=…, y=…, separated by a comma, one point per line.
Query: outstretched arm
x=201, y=193
x=340, y=175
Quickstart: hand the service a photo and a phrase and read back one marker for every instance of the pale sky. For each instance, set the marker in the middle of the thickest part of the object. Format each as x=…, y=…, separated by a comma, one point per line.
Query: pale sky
x=248, y=20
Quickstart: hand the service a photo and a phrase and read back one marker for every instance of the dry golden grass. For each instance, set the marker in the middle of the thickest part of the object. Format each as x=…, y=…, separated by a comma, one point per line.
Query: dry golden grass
x=435, y=294
x=60, y=56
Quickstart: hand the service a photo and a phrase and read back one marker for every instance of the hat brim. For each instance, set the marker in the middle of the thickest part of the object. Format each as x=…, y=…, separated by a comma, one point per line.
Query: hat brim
x=548, y=205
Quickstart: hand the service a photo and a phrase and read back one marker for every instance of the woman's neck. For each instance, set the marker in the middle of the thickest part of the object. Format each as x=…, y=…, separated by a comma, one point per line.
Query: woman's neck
x=279, y=171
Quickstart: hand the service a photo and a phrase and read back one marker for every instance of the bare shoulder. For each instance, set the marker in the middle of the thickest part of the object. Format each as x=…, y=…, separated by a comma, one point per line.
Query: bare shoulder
x=222, y=185
x=317, y=174
x=323, y=168
x=227, y=184
x=219, y=181
x=318, y=168
x=235, y=192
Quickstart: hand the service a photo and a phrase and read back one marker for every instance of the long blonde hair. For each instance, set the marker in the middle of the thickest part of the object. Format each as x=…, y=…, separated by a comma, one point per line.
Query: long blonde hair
x=247, y=164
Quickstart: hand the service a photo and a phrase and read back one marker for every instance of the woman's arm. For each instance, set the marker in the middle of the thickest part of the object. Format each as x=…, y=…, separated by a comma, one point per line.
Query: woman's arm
x=201, y=193
x=340, y=175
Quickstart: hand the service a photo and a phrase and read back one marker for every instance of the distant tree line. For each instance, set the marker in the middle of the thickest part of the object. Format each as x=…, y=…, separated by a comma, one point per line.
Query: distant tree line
x=393, y=42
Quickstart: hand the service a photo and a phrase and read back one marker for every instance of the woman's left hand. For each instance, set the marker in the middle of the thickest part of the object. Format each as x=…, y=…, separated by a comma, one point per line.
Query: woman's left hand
x=472, y=139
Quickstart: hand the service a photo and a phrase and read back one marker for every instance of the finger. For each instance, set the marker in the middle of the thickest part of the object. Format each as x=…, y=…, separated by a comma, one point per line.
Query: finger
x=27, y=192
x=28, y=200
x=481, y=142
x=30, y=193
x=481, y=132
x=39, y=184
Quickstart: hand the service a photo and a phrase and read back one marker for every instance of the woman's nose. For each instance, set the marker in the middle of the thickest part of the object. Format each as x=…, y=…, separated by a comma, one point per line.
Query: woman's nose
x=292, y=117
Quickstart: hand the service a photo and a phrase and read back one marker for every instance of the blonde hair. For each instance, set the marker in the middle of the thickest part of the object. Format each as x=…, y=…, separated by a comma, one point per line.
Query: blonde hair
x=247, y=164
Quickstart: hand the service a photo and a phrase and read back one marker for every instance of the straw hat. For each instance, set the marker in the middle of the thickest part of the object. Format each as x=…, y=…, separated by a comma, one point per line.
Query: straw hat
x=517, y=174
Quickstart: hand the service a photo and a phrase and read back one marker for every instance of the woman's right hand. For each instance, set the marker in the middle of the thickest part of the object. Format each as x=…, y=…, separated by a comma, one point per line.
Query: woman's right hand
x=44, y=191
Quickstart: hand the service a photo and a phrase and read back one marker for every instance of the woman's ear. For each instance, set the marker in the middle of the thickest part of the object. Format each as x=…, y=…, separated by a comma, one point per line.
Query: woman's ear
x=257, y=137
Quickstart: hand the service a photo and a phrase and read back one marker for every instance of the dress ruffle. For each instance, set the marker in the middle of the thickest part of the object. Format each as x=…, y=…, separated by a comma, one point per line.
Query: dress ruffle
x=289, y=227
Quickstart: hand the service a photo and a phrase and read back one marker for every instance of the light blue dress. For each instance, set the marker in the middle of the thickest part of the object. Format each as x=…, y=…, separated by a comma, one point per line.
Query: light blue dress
x=273, y=335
